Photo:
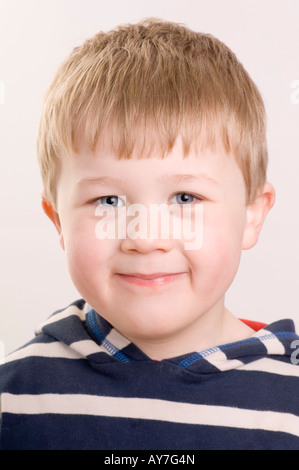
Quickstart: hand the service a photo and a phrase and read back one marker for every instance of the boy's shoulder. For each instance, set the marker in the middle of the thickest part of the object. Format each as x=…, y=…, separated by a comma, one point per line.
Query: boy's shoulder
x=52, y=339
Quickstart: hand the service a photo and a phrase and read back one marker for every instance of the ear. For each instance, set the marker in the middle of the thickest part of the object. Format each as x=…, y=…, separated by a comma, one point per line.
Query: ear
x=54, y=217
x=256, y=214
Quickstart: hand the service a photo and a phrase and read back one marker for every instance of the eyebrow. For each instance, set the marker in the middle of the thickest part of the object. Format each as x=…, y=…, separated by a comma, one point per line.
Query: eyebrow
x=187, y=178
x=177, y=178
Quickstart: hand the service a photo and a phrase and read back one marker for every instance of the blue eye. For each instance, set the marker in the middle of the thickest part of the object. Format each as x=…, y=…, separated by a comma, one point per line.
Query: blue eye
x=112, y=201
x=184, y=198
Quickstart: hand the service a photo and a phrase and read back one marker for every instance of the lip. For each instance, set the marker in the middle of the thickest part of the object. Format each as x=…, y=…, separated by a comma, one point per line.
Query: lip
x=150, y=280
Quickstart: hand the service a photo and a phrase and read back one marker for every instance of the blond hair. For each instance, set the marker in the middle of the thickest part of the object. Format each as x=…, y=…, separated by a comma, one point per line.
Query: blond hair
x=144, y=85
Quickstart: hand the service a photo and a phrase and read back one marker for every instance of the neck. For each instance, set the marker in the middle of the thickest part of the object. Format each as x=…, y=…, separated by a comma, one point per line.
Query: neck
x=208, y=331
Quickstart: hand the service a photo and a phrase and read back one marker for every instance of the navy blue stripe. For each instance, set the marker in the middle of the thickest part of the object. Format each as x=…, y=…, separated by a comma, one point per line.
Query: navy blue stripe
x=69, y=330
x=130, y=434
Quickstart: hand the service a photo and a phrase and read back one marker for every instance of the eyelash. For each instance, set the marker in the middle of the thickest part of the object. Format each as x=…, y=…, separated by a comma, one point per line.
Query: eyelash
x=194, y=196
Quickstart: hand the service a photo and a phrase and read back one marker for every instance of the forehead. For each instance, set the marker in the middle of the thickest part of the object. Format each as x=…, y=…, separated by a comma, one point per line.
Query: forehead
x=213, y=173
x=200, y=164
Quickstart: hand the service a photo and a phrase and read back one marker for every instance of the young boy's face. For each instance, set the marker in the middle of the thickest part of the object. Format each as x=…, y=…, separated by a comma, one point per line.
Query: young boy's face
x=157, y=293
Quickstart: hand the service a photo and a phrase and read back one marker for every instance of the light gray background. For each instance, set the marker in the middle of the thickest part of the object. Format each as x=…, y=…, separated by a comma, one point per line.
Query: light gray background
x=35, y=36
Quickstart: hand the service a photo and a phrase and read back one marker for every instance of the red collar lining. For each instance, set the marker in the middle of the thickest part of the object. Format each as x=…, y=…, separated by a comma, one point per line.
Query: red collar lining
x=255, y=325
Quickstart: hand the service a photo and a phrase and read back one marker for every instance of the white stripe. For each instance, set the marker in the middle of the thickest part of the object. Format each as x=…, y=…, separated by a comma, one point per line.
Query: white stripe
x=219, y=360
x=44, y=350
x=151, y=409
x=117, y=340
x=274, y=346
x=88, y=347
x=76, y=350
x=273, y=367
x=271, y=342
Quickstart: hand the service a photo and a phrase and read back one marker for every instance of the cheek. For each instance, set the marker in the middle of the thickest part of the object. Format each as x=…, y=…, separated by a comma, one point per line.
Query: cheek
x=217, y=261
x=87, y=256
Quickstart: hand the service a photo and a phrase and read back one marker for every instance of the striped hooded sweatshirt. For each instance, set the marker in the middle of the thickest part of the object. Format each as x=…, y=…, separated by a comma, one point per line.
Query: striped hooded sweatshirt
x=79, y=384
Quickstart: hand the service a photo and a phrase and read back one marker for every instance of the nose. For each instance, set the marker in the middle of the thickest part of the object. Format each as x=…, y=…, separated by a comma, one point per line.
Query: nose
x=144, y=241
x=146, y=245
x=148, y=229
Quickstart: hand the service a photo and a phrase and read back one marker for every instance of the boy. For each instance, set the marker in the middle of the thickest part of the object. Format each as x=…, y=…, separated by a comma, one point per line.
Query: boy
x=147, y=116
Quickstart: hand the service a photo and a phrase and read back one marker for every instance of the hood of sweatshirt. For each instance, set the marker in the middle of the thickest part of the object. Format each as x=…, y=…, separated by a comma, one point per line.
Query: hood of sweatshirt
x=80, y=332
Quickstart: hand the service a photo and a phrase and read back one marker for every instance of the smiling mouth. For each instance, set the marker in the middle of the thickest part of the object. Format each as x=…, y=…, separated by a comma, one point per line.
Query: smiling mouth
x=155, y=279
